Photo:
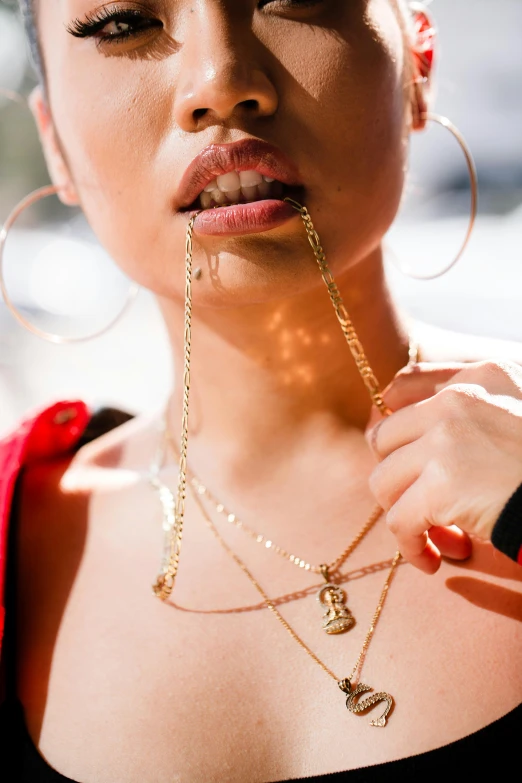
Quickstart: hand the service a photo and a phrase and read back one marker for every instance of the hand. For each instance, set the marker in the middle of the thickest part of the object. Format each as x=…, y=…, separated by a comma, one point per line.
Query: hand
x=450, y=455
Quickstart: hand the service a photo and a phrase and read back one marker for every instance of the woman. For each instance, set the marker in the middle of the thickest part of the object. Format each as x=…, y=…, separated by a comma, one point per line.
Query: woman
x=141, y=106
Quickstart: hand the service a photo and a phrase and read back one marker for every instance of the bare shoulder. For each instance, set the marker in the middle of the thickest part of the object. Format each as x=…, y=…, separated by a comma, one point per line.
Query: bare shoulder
x=442, y=345
x=123, y=447
x=56, y=488
x=56, y=499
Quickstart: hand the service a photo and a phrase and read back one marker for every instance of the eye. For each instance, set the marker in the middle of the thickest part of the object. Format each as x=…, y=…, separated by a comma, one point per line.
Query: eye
x=110, y=26
x=291, y=4
x=117, y=27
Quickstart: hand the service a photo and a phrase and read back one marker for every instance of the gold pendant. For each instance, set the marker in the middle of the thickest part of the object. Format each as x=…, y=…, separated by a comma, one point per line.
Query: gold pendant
x=366, y=704
x=337, y=618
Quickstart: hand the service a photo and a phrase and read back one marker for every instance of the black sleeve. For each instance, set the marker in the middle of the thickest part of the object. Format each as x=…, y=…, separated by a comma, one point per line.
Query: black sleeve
x=103, y=420
x=507, y=533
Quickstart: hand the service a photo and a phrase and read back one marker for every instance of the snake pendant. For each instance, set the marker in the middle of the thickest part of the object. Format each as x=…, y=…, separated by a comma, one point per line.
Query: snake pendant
x=365, y=704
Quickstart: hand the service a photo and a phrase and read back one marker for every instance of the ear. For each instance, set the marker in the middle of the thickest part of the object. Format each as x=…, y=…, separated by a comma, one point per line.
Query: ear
x=58, y=169
x=423, y=50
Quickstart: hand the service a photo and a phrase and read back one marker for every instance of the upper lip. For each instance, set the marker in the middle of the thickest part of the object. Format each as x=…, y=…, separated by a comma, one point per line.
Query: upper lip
x=245, y=155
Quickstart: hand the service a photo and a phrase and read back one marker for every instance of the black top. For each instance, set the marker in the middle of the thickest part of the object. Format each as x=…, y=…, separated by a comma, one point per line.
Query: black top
x=507, y=533
x=473, y=756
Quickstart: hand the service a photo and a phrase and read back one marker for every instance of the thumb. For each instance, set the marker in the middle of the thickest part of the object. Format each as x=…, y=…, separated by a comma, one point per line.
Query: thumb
x=411, y=385
x=419, y=382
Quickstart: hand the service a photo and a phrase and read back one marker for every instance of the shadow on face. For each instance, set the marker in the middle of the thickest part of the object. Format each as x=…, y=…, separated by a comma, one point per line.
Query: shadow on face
x=135, y=96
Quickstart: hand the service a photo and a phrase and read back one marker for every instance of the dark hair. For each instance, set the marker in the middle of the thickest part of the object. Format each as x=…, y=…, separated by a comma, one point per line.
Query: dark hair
x=28, y=11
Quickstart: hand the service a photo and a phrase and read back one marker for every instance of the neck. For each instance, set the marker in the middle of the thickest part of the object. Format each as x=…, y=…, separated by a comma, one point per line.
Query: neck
x=268, y=377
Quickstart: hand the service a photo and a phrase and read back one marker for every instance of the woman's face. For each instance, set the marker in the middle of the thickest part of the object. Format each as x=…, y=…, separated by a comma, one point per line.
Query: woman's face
x=321, y=80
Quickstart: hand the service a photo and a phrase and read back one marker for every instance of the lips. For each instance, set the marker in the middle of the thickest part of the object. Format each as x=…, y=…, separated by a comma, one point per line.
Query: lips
x=254, y=218
x=245, y=155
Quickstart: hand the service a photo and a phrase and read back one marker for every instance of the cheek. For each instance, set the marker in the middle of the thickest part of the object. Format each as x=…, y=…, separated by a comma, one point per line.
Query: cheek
x=115, y=132
x=349, y=119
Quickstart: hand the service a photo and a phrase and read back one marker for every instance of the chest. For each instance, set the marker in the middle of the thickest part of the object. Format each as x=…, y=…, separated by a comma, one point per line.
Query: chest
x=211, y=686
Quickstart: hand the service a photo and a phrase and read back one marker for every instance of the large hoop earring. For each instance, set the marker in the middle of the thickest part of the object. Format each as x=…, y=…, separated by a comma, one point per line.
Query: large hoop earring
x=59, y=339
x=13, y=96
x=472, y=170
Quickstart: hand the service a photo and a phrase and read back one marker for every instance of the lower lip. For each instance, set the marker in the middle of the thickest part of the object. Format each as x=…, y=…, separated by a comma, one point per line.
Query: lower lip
x=240, y=219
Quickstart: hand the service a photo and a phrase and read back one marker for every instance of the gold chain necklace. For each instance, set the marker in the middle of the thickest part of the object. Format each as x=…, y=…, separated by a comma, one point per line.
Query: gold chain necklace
x=166, y=579
x=337, y=618
x=353, y=692
x=353, y=703
x=325, y=570
x=174, y=509
x=164, y=584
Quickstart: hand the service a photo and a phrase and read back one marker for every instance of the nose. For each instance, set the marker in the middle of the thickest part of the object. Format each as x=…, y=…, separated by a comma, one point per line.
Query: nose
x=221, y=77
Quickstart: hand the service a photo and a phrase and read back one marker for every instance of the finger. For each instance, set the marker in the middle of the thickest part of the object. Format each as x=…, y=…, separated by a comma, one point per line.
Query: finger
x=452, y=542
x=414, y=387
x=495, y=377
x=410, y=386
x=401, y=428
x=397, y=472
x=423, y=380
x=455, y=401
x=420, y=541
x=416, y=383
x=409, y=521
x=442, y=541
x=375, y=417
x=427, y=560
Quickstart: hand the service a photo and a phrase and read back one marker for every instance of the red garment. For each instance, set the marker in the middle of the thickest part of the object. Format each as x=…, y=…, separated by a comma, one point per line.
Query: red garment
x=49, y=433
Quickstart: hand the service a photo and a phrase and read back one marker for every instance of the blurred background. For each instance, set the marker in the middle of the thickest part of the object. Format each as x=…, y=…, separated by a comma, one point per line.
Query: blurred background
x=61, y=280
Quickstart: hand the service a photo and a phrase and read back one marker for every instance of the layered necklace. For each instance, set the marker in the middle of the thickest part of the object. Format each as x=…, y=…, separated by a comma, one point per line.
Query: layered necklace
x=337, y=618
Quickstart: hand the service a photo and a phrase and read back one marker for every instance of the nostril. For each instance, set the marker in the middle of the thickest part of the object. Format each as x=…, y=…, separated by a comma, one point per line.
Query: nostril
x=249, y=105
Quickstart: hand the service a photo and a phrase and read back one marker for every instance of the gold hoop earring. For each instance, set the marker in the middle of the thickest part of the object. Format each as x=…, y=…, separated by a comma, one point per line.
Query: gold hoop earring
x=446, y=123
x=28, y=201
x=13, y=96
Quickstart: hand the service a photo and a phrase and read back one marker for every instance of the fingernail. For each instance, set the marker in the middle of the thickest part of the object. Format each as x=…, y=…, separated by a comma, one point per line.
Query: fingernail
x=371, y=436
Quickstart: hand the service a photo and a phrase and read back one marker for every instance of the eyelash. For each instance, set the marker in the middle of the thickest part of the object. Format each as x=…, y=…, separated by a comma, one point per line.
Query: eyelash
x=93, y=24
x=294, y=3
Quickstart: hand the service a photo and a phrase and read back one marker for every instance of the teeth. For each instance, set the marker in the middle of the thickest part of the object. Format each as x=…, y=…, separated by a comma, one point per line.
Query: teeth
x=239, y=187
x=229, y=182
x=219, y=197
x=249, y=193
x=233, y=195
x=265, y=188
x=206, y=200
x=235, y=180
x=250, y=179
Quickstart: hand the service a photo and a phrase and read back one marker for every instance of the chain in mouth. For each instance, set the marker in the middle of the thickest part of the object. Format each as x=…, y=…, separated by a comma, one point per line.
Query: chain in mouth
x=239, y=187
